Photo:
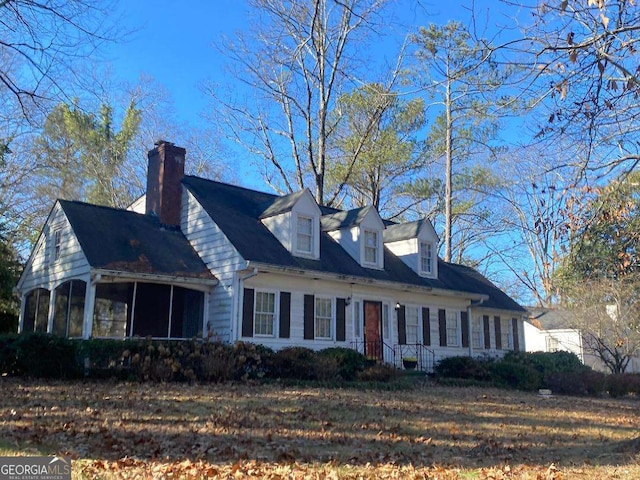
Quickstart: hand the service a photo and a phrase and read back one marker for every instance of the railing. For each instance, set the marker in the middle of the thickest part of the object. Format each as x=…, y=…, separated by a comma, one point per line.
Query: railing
x=379, y=351
x=397, y=355
x=414, y=355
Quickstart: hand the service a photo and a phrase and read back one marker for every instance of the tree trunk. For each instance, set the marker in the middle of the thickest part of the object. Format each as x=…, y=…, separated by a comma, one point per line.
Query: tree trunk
x=448, y=175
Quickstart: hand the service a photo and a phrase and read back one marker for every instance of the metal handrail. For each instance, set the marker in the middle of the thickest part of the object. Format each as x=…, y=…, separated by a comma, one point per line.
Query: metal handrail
x=424, y=357
x=382, y=351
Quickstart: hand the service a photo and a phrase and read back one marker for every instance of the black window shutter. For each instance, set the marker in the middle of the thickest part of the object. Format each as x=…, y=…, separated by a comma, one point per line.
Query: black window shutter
x=516, y=339
x=341, y=307
x=285, y=315
x=487, y=333
x=498, y=328
x=402, y=326
x=247, y=312
x=442, y=327
x=464, y=320
x=426, y=327
x=309, y=307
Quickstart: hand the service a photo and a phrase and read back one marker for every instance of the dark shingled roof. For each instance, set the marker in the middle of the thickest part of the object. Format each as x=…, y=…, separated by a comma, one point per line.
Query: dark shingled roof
x=344, y=219
x=402, y=231
x=126, y=241
x=237, y=212
x=281, y=204
x=551, y=318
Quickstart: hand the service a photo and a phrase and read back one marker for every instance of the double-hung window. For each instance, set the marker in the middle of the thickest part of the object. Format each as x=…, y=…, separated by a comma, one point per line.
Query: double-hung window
x=304, y=235
x=476, y=332
x=426, y=258
x=411, y=318
x=505, y=332
x=452, y=328
x=264, y=314
x=370, y=247
x=323, y=318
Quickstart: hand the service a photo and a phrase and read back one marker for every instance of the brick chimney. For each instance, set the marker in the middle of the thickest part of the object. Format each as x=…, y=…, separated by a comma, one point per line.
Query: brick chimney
x=164, y=190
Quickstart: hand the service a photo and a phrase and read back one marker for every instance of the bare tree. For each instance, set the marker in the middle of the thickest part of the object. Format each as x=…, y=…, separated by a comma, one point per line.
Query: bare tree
x=607, y=312
x=580, y=75
x=536, y=206
x=301, y=57
x=41, y=43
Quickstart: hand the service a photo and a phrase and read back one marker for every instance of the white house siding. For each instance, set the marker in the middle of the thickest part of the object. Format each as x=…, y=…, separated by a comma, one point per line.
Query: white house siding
x=299, y=286
x=220, y=256
x=42, y=270
x=281, y=226
x=407, y=251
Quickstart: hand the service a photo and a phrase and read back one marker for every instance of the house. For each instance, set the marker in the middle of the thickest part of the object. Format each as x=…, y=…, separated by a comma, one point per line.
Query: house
x=204, y=258
x=550, y=330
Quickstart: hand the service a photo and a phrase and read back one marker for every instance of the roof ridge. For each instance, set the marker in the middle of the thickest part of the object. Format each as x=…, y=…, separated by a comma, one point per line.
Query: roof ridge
x=95, y=205
x=235, y=187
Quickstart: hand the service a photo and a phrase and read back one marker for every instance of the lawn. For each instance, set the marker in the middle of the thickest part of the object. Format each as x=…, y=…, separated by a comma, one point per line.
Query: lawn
x=132, y=430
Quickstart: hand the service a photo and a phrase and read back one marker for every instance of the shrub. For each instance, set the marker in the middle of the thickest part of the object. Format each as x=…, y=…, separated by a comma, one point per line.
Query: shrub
x=37, y=355
x=514, y=375
x=463, y=367
x=348, y=362
x=622, y=384
x=580, y=382
x=293, y=362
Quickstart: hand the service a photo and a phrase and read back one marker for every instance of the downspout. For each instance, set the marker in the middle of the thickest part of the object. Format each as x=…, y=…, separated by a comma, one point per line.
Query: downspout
x=477, y=303
x=238, y=306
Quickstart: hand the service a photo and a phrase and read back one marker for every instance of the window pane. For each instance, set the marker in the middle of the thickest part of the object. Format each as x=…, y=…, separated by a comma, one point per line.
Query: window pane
x=76, y=308
x=452, y=329
x=42, y=315
x=425, y=257
x=112, y=310
x=411, y=317
x=371, y=247
x=187, y=311
x=323, y=318
x=264, y=314
x=476, y=332
x=305, y=234
x=505, y=333
x=385, y=321
x=61, y=309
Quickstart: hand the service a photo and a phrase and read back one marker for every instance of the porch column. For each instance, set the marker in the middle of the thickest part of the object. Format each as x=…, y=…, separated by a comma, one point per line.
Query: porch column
x=23, y=306
x=52, y=309
x=89, y=302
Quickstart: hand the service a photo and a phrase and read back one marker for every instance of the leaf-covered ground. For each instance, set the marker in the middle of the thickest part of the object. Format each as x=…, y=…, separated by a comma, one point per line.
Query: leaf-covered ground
x=131, y=430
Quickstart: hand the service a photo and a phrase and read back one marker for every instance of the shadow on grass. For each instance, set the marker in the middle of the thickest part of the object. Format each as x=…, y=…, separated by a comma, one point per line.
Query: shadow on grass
x=463, y=427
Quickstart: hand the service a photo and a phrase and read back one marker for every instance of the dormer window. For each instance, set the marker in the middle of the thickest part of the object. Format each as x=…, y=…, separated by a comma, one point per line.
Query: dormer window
x=304, y=237
x=426, y=258
x=370, y=247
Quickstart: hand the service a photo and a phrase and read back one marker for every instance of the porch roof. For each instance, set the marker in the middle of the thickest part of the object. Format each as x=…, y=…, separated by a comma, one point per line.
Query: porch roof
x=125, y=241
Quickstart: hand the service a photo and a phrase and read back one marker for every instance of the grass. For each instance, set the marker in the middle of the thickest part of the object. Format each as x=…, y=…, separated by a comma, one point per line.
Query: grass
x=131, y=430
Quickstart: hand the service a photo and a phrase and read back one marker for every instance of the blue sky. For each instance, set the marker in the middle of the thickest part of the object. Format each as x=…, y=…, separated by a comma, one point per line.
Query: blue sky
x=173, y=42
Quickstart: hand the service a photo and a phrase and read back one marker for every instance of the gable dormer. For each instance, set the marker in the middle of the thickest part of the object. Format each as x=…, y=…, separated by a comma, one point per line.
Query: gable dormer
x=416, y=244
x=359, y=232
x=294, y=220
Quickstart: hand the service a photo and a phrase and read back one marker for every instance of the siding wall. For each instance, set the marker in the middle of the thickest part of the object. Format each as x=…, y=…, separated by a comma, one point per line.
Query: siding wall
x=220, y=257
x=300, y=286
x=42, y=271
